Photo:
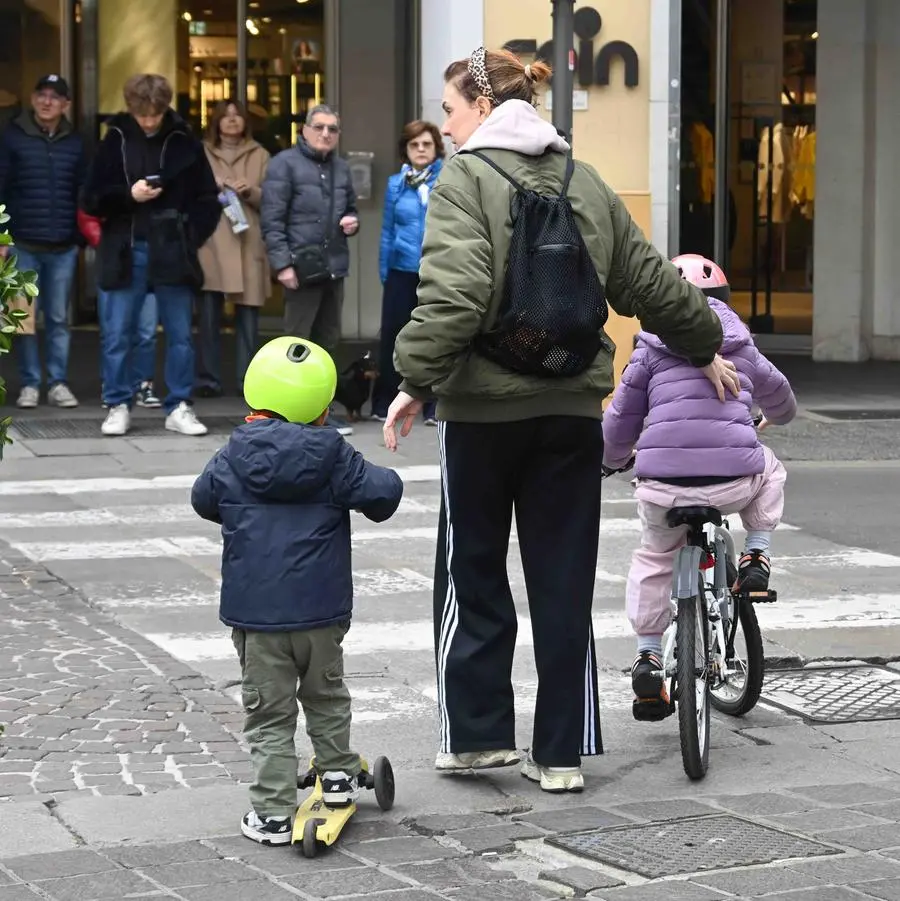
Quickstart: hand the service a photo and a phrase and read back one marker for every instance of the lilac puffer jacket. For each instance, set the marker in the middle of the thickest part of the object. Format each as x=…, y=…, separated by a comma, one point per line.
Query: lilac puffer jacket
x=671, y=410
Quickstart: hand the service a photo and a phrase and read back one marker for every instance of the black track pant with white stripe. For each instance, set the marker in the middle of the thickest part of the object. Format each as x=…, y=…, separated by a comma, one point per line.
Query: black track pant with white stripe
x=548, y=471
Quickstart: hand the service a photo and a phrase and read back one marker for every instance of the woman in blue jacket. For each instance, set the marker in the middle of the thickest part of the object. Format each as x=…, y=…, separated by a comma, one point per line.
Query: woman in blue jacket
x=402, y=232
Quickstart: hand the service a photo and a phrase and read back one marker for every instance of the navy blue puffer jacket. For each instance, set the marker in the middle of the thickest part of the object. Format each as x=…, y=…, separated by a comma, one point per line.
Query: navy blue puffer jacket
x=283, y=495
x=40, y=177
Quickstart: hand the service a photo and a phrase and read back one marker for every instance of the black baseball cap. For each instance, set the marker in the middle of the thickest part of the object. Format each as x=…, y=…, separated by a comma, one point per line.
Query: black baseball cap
x=55, y=83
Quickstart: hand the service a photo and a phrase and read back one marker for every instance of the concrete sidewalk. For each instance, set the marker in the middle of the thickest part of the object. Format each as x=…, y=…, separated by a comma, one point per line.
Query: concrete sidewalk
x=121, y=771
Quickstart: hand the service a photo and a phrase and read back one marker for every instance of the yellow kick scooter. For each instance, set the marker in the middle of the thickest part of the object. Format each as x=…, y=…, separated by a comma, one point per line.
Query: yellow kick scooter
x=316, y=822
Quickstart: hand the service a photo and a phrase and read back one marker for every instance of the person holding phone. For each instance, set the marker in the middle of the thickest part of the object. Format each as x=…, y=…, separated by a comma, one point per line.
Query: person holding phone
x=152, y=186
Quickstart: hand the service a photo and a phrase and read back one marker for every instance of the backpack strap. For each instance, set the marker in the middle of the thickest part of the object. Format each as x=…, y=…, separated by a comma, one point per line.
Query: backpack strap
x=497, y=169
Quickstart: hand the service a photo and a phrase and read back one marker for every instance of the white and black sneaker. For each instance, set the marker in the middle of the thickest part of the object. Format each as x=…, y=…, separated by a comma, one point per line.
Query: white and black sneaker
x=339, y=789
x=266, y=830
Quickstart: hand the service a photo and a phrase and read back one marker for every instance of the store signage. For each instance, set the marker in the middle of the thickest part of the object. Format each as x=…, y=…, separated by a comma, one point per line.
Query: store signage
x=591, y=69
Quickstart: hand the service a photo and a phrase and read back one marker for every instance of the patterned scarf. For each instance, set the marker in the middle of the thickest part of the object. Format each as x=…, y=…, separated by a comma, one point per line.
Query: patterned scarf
x=418, y=179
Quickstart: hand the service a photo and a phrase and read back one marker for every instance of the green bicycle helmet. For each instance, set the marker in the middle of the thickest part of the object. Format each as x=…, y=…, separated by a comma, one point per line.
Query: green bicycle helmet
x=291, y=377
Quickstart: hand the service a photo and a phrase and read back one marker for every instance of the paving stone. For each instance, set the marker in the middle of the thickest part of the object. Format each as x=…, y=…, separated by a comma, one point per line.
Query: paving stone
x=854, y=793
x=442, y=823
x=203, y=872
x=34, y=867
x=143, y=856
x=503, y=891
x=280, y=861
x=759, y=881
x=402, y=850
x=354, y=882
x=868, y=838
x=823, y=821
x=887, y=889
x=366, y=830
x=889, y=810
x=823, y=893
x=580, y=879
x=662, y=891
x=408, y=895
x=114, y=885
x=849, y=870
x=660, y=811
x=258, y=890
x=17, y=893
x=5, y=878
x=447, y=874
x=766, y=804
x=575, y=819
x=500, y=838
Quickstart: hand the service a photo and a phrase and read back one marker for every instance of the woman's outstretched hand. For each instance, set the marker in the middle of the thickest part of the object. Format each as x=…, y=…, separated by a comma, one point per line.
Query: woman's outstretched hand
x=404, y=407
x=723, y=374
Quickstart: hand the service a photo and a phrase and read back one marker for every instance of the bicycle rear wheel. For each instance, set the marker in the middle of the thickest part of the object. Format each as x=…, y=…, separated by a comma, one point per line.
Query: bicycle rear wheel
x=745, y=661
x=692, y=668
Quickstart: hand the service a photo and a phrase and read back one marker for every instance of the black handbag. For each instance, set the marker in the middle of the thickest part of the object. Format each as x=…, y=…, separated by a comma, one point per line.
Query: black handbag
x=311, y=262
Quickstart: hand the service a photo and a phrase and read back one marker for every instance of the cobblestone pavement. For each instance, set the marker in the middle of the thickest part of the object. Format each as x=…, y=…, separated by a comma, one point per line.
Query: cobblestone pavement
x=90, y=706
x=481, y=857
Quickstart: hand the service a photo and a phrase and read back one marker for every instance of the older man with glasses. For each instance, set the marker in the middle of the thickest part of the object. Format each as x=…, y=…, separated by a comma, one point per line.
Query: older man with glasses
x=308, y=211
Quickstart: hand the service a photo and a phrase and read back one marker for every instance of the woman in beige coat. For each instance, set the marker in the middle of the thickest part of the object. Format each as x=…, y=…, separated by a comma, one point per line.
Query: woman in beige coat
x=234, y=264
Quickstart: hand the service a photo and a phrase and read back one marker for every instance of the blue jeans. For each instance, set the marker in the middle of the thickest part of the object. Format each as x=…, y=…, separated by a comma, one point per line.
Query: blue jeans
x=121, y=324
x=56, y=272
x=143, y=359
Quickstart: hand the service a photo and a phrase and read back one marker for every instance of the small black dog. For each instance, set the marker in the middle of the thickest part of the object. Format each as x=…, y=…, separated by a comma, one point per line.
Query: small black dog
x=354, y=386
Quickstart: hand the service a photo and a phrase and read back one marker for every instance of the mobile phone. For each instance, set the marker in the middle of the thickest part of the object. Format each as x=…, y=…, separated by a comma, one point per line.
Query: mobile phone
x=154, y=181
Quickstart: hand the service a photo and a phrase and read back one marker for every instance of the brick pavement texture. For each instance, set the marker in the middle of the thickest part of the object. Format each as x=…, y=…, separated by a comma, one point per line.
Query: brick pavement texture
x=92, y=707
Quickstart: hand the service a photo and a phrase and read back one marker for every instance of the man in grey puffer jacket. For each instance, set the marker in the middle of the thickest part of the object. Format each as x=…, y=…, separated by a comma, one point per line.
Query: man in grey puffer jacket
x=302, y=186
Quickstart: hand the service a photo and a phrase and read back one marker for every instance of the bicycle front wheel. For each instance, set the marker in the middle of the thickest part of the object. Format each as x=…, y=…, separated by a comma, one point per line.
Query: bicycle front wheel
x=692, y=674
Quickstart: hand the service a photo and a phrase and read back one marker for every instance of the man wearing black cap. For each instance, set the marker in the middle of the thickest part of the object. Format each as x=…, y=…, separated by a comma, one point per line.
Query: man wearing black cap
x=42, y=169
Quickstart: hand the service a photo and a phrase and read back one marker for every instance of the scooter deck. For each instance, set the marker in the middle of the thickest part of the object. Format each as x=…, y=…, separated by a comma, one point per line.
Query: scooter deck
x=331, y=820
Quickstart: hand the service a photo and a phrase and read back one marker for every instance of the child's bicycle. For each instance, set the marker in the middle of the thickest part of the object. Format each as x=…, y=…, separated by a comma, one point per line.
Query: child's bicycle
x=702, y=656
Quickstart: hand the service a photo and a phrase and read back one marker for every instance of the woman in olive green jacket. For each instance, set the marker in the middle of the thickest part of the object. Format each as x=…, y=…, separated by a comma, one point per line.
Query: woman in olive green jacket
x=513, y=441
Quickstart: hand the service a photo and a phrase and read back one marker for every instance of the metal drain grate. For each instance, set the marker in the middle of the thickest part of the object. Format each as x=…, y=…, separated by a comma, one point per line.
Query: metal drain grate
x=688, y=846
x=847, y=694
x=141, y=427
x=857, y=414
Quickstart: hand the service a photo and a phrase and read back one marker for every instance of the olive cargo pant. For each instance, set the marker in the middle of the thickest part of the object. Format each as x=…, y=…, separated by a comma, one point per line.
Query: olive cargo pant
x=272, y=664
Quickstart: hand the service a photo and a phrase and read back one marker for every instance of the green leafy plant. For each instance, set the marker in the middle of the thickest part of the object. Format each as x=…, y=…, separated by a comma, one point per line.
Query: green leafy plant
x=13, y=285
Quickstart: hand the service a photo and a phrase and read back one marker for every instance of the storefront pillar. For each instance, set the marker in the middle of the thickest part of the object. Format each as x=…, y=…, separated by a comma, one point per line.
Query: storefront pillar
x=131, y=41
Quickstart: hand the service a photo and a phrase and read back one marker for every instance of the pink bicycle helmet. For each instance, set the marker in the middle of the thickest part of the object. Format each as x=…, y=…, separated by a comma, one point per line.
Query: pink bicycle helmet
x=703, y=273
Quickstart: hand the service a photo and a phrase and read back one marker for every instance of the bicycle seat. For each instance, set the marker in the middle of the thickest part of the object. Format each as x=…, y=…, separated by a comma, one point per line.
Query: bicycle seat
x=695, y=517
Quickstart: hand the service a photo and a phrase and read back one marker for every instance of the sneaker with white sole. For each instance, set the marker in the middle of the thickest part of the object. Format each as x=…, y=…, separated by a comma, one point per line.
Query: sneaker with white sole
x=60, y=395
x=118, y=420
x=476, y=760
x=146, y=397
x=554, y=779
x=339, y=789
x=266, y=830
x=29, y=398
x=183, y=420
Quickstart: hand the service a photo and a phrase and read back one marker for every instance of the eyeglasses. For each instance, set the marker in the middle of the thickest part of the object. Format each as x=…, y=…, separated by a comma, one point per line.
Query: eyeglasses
x=330, y=129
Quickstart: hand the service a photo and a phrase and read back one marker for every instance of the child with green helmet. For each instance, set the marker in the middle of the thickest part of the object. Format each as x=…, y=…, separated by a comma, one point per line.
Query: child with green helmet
x=282, y=490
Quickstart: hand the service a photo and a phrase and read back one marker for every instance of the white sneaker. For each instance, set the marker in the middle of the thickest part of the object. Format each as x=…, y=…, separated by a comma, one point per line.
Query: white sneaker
x=266, y=830
x=183, y=419
x=28, y=398
x=476, y=760
x=60, y=395
x=554, y=779
x=118, y=420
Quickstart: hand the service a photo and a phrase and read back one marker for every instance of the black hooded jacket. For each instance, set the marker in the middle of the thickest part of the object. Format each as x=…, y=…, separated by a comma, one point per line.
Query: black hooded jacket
x=175, y=224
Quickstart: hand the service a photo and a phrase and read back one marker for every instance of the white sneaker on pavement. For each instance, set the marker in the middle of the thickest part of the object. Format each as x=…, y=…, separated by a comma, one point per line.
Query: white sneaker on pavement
x=29, y=398
x=60, y=395
x=118, y=420
x=554, y=779
x=476, y=760
x=183, y=420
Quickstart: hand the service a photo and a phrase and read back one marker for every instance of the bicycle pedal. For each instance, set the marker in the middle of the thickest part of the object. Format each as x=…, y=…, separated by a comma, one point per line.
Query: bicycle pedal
x=651, y=710
x=760, y=597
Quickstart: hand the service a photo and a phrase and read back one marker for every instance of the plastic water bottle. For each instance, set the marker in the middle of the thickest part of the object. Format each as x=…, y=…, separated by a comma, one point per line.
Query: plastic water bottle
x=234, y=211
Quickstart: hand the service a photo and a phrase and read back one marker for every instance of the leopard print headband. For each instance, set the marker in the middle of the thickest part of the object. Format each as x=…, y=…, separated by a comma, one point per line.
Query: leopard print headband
x=478, y=70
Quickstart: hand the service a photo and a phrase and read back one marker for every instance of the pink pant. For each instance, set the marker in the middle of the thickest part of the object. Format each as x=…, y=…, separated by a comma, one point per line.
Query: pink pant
x=758, y=499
